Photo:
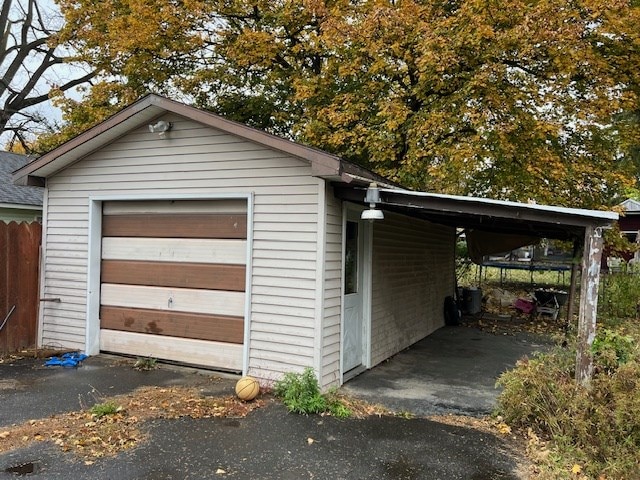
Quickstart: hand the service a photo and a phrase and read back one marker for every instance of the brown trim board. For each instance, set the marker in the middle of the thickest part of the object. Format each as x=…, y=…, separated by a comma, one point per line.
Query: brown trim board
x=209, y=276
x=189, y=225
x=217, y=328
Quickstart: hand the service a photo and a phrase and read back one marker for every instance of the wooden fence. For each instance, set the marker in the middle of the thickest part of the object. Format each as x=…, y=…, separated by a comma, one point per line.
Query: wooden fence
x=19, y=265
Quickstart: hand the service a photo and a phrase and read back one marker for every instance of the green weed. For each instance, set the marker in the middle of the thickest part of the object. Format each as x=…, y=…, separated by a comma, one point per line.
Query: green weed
x=103, y=409
x=301, y=393
x=145, y=363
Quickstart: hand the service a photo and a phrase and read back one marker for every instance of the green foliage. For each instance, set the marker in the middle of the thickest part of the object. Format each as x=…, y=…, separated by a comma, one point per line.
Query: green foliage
x=463, y=262
x=300, y=393
x=611, y=349
x=598, y=426
x=103, y=409
x=619, y=295
x=146, y=363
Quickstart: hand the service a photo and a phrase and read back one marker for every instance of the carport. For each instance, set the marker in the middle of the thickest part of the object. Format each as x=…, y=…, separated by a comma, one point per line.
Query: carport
x=493, y=226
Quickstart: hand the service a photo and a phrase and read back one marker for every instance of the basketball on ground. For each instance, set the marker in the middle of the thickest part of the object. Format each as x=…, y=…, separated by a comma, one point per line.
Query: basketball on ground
x=247, y=388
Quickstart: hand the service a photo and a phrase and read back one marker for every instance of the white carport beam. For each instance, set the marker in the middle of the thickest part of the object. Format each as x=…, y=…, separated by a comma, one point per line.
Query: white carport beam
x=588, y=303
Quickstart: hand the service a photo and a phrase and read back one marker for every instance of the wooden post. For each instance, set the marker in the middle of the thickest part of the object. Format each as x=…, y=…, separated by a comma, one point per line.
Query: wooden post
x=588, y=303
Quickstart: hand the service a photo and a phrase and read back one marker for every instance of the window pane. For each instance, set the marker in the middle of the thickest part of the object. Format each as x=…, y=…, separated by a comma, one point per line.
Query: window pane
x=351, y=259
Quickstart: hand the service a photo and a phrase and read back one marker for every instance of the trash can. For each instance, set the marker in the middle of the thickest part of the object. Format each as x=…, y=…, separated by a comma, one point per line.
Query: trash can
x=471, y=300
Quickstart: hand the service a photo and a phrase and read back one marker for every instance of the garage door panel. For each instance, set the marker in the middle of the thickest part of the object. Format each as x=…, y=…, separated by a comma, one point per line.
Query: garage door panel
x=177, y=226
x=197, y=352
x=156, y=207
x=173, y=280
x=174, y=274
x=177, y=324
x=215, y=302
x=175, y=250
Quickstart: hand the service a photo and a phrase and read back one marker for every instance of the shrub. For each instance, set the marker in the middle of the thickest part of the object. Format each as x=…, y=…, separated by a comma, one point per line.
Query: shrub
x=597, y=426
x=611, y=349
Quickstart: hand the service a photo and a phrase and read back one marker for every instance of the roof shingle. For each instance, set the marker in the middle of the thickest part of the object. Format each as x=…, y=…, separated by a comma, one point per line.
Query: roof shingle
x=15, y=194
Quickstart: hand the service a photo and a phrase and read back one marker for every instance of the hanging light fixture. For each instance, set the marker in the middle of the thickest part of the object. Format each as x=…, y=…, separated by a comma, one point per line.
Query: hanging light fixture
x=160, y=127
x=372, y=198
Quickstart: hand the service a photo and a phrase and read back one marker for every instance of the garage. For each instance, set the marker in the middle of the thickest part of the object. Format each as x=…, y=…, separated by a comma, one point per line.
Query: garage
x=173, y=280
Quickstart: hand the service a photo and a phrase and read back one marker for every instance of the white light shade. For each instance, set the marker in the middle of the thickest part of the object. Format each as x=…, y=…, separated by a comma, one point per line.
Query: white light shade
x=372, y=215
x=160, y=127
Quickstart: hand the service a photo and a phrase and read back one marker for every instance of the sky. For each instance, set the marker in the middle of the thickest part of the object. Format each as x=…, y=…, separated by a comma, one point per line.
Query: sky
x=54, y=76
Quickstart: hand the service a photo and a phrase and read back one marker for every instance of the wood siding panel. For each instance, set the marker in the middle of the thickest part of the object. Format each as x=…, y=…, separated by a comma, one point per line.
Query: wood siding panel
x=175, y=250
x=284, y=192
x=173, y=274
x=146, y=207
x=176, y=324
x=175, y=226
x=191, y=351
x=214, y=302
x=412, y=274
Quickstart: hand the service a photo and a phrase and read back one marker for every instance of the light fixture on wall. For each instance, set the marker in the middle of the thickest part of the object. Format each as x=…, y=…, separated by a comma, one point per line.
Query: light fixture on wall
x=372, y=198
x=160, y=127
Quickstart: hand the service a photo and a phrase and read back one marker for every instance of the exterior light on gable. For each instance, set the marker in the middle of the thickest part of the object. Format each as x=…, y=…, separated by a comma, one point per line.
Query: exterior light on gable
x=372, y=198
x=160, y=127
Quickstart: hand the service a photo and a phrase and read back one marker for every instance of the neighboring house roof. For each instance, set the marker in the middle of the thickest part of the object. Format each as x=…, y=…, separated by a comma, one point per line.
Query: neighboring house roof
x=631, y=206
x=17, y=195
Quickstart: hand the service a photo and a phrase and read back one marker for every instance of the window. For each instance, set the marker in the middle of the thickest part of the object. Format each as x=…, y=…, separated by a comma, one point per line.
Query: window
x=351, y=259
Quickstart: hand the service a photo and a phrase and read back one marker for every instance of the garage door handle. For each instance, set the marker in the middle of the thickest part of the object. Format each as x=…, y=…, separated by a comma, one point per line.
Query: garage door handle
x=170, y=302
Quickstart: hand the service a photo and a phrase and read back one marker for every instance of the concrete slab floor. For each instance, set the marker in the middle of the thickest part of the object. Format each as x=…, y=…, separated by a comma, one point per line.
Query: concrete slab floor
x=452, y=371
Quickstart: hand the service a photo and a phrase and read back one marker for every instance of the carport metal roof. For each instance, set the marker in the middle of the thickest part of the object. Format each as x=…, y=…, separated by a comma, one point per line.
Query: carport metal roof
x=496, y=216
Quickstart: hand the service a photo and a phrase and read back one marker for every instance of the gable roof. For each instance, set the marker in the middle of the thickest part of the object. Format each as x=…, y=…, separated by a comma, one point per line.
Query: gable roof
x=15, y=194
x=150, y=107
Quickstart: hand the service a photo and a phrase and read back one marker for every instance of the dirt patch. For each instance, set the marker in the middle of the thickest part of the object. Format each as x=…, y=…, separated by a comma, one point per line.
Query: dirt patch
x=33, y=353
x=514, y=323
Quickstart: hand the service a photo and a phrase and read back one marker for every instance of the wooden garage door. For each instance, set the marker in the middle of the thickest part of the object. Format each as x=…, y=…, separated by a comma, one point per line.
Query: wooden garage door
x=173, y=280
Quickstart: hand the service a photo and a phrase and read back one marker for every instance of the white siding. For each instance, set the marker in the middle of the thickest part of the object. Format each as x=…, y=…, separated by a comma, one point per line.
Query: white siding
x=194, y=159
x=332, y=293
x=412, y=274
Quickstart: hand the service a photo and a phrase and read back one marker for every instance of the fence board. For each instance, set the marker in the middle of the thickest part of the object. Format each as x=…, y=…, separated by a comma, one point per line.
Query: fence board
x=19, y=263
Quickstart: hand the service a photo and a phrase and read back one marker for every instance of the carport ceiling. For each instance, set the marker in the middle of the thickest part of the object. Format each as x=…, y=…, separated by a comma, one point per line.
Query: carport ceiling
x=494, y=216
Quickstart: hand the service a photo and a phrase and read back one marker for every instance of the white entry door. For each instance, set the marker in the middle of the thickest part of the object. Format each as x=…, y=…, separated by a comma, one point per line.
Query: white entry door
x=354, y=285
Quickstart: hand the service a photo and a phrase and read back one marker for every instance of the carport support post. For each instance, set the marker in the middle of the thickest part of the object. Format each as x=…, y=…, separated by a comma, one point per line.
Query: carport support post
x=588, y=303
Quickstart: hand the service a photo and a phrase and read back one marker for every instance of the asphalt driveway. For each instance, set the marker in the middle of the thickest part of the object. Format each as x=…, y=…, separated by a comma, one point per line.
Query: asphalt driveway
x=452, y=371
x=269, y=443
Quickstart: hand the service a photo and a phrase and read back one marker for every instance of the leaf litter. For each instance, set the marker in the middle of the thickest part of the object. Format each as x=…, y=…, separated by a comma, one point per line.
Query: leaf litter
x=94, y=437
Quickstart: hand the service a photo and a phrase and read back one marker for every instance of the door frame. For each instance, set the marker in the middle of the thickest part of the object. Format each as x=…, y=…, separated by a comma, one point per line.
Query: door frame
x=352, y=212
